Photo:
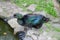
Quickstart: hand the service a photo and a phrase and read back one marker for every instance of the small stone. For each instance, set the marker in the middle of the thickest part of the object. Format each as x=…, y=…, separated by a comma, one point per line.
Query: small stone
x=34, y=37
x=49, y=38
x=25, y=4
x=32, y=7
x=5, y=33
x=41, y=13
x=28, y=38
x=44, y=33
x=24, y=13
x=1, y=10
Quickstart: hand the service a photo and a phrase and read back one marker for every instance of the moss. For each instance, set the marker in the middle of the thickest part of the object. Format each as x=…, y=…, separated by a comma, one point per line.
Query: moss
x=6, y=32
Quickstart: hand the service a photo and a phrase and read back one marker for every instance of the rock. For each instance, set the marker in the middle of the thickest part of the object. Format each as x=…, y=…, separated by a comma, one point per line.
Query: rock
x=56, y=25
x=32, y=7
x=55, y=20
x=49, y=38
x=7, y=0
x=40, y=12
x=13, y=23
x=33, y=34
x=24, y=13
x=9, y=9
x=1, y=10
x=28, y=38
x=45, y=36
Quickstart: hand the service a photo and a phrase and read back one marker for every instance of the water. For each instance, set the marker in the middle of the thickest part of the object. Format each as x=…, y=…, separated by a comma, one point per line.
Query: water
x=6, y=32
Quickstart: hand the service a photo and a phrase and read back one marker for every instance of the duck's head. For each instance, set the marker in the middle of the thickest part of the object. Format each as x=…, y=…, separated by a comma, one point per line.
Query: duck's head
x=17, y=15
x=46, y=19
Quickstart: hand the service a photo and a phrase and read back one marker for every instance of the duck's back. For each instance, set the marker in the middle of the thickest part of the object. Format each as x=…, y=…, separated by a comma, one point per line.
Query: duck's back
x=33, y=19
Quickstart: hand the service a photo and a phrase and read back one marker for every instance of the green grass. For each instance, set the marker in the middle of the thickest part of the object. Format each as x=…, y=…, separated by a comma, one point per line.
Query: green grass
x=52, y=28
x=47, y=6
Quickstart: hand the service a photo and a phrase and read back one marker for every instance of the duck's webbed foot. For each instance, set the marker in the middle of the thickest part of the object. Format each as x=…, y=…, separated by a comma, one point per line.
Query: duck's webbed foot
x=21, y=35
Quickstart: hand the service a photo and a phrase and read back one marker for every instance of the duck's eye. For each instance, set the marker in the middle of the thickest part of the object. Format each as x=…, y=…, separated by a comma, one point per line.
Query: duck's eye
x=47, y=19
